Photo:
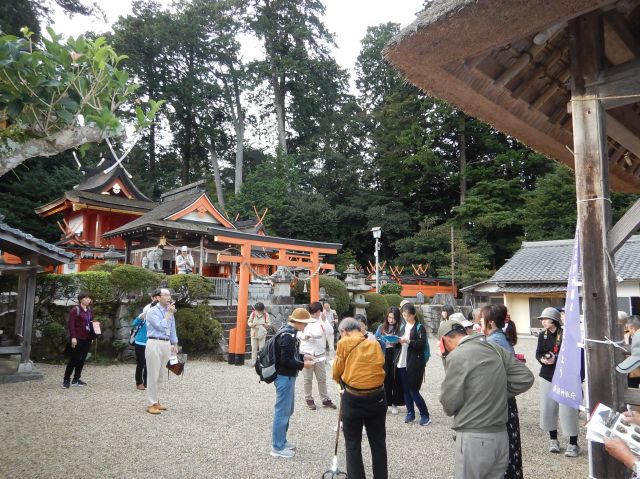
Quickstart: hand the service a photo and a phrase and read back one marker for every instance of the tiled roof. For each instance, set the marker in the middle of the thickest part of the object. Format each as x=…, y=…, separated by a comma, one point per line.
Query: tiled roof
x=549, y=262
x=36, y=245
x=532, y=289
x=96, y=179
x=110, y=200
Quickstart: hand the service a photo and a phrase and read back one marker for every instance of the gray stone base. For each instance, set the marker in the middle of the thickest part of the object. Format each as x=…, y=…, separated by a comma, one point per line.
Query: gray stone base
x=20, y=377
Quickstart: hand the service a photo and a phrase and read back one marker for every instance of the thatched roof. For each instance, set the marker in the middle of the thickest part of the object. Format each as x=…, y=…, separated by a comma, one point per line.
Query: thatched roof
x=480, y=56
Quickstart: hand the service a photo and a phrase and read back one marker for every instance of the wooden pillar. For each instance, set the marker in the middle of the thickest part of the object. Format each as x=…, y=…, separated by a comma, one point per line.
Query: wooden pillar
x=314, y=283
x=98, y=238
x=594, y=220
x=20, y=305
x=127, y=251
x=201, y=255
x=243, y=304
x=29, y=304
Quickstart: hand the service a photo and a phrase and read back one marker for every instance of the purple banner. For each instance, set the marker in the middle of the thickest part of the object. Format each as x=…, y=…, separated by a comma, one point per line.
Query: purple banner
x=567, y=383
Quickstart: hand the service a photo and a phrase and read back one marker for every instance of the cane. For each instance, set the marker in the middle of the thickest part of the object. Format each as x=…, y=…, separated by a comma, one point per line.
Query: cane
x=334, y=472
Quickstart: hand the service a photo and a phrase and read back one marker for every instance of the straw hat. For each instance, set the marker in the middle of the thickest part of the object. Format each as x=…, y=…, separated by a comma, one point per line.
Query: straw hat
x=301, y=315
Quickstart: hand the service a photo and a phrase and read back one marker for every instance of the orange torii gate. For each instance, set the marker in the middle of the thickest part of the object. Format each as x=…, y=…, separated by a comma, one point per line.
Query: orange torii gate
x=283, y=252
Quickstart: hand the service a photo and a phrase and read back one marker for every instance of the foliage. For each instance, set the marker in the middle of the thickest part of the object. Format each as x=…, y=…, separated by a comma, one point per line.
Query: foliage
x=132, y=279
x=343, y=259
x=393, y=299
x=197, y=330
x=50, y=287
x=378, y=307
x=190, y=287
x=335, y=288
x=391, y=288
x=98, y=283
x=54, y=335
x=108, y=267
x=44, y=92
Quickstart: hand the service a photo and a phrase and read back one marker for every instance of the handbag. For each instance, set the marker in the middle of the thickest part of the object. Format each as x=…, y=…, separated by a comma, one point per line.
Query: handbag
x=176, y=364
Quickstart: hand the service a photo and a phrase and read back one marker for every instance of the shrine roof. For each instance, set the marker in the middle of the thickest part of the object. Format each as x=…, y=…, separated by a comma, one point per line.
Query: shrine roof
x=19, y=243
x=99, y=178
x=172, y=203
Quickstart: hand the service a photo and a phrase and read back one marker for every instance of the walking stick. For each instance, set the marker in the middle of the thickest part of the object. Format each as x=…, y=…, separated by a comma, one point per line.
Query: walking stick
x=334, y=472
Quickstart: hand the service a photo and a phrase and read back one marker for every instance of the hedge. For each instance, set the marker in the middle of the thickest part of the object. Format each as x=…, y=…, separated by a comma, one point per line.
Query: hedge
x=393, y=299
x=335, y=288
x=391, y=288
x=197, y=330
x=190, y=287
x=377, y=308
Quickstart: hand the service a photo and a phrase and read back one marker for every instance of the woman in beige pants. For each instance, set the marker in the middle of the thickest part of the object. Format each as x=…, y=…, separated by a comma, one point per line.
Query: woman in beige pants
x=258, y=323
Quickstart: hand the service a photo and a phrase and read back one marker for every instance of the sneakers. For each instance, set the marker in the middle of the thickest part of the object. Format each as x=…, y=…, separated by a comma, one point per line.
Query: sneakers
x=554, y=446
x=329, y=404
x=284, y=453
x=409, y=418
x=394, y=409
x=66, y=384
x=573, y=450
x=425, y=421
x=288, y=445
x=311, y=405
x=153, y=410
x=159, y=406
x=78, y=382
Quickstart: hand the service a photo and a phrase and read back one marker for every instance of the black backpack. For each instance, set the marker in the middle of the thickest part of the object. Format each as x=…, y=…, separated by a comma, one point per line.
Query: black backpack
x=266, y=360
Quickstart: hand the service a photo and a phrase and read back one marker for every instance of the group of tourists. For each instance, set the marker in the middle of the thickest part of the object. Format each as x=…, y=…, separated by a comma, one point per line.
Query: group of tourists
x=154, y=338
x=381, y=372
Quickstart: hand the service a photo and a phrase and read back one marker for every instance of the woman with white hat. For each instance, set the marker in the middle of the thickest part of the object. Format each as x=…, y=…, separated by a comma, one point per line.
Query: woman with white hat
x=549, y=342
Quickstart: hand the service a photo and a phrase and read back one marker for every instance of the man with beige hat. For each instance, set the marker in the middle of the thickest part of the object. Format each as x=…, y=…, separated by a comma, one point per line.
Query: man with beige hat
x=288, y=363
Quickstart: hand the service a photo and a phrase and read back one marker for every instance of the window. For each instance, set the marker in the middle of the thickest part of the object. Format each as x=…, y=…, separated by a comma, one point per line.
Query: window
x=536, y=305
x=623, y=304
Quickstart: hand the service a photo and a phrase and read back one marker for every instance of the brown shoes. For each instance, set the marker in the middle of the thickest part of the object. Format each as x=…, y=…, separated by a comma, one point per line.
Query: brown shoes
x=161, y=407
x=141, y=387
x=153, y=410
x=311, y=405
x=328, y=403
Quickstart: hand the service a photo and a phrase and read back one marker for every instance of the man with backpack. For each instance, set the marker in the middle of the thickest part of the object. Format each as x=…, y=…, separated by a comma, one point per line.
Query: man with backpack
x=288, y=363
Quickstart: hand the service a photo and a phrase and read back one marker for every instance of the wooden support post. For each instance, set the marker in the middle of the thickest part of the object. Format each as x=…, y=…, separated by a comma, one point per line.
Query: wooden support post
x=29, y=304
x=314, y=283
x=98, y=238
x=624, y=228
x=594, y=219
x=243, y=304
x=127, y=251
x=20, y=306
x=201, y=265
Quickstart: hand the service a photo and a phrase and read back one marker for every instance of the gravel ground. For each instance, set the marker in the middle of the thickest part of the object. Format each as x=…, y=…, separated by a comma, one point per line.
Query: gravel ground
x=219, y=426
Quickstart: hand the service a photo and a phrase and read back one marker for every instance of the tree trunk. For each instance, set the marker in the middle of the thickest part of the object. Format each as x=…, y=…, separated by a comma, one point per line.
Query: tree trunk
x=239, y=126
x=462, y=146
x=278, y=103
x=216, y=173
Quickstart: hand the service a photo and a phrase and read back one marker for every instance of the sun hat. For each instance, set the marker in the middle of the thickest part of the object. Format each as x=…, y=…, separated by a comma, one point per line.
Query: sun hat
x=550, y=313
x=301, y=315
x=450, y=325
x=633, y=361
x=457, y=317
x=184, y=248
x=466, y=323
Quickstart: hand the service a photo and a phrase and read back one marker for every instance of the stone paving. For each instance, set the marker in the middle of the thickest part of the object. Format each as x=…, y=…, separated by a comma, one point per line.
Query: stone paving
x=218, y=426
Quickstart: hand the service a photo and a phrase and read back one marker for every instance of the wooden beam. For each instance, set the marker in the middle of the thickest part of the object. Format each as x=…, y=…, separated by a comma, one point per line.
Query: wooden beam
x=624, y=228
x=222, y=258
x=519, y=65
x=632, y=396
x=29, y=305
x=623, y=31
x=594, y=219
x=551, y=90
x=267, y=244
x=619, y=85
x=621, y=134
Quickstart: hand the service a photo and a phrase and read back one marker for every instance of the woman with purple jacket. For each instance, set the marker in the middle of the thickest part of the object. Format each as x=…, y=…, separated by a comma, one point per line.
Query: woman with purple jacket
x=80, y=336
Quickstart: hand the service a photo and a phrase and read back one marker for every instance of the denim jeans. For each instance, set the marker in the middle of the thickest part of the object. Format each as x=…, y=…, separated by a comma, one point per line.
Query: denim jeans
x=412, y=396
x=285, y=392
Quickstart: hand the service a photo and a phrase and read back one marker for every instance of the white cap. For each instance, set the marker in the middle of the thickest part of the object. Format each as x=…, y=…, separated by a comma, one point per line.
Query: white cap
x=184, y=248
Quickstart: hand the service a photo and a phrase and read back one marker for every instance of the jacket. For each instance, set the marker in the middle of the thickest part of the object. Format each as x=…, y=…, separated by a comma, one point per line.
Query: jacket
x=141, y=336
x=415, y=355
x=479, y=378
x=551, y=344
x=320, y=333
x=359, y=363
x=79, y=320
x=288, y=361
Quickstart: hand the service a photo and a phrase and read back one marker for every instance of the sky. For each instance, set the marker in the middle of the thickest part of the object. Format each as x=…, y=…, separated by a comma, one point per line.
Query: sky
x=347, y=19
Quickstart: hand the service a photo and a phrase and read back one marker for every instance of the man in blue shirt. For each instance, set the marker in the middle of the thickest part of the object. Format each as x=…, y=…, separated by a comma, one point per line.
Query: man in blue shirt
x=162, y=341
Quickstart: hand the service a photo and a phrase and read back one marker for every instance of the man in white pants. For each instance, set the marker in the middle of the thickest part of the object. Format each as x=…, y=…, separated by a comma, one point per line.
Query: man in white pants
x=313, y=341
x=162, y=340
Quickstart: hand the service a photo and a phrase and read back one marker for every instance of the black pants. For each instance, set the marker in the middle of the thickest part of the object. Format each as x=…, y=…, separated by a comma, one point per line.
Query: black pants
x=76, y=360
x=141, y=366
x=370, y=411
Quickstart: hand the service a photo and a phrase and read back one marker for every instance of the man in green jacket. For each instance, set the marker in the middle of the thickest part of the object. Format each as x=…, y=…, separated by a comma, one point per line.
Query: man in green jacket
x=478, y=380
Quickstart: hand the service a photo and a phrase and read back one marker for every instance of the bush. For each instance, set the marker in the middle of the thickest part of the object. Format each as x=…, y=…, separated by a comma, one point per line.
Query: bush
x=106, y=267
x=391, y=288
x=127, y=278
x=334, y=288
x=190, y=287
x=54, y=335
x=98, y=284
x=377, y=307
x=53, y=286
x=197, y=330
x=393, y=299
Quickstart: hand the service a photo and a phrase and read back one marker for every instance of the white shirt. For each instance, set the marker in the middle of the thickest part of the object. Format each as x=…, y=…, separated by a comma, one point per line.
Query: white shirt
x=402, y=361
x=316, y=345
